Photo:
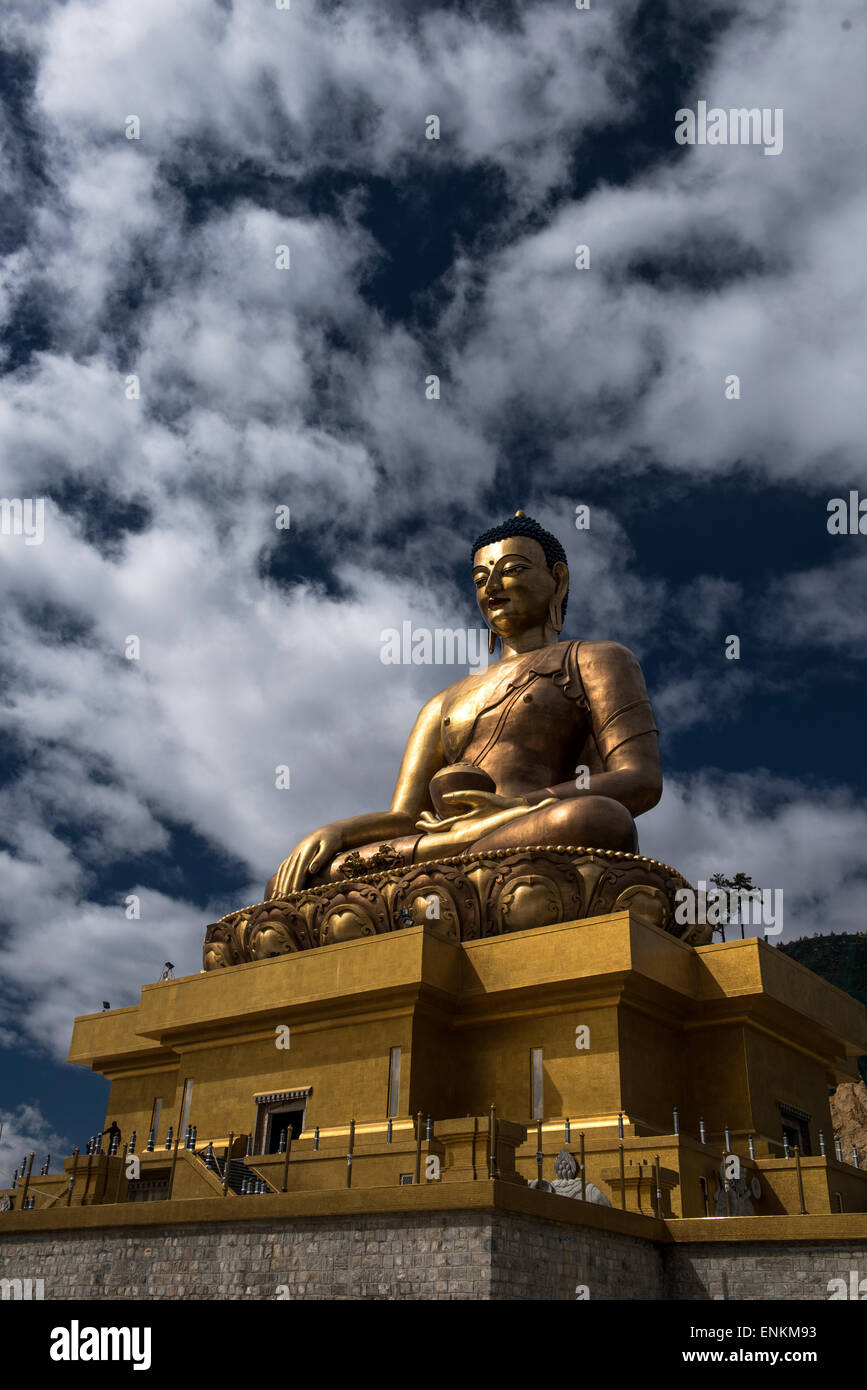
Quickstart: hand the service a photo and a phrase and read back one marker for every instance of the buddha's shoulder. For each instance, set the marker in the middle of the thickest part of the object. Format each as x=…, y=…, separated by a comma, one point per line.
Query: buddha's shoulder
x=603, y=653
x=607, y=669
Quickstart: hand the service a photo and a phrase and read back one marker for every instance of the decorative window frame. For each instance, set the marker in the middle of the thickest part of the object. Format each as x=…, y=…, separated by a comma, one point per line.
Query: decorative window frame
x=268, y=1102
x=803, y=1120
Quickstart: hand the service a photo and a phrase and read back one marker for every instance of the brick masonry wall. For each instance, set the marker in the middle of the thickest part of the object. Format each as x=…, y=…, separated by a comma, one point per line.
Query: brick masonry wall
x=756, y=1270
x=534, y=1259
x=446, y=1256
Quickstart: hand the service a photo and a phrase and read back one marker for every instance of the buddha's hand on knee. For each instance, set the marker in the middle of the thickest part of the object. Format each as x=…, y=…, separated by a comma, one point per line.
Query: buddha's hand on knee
x=485, y=811
x=309, y=856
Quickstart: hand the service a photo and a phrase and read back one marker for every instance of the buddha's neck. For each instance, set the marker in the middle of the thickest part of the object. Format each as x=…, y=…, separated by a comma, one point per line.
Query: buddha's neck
x=529, y=641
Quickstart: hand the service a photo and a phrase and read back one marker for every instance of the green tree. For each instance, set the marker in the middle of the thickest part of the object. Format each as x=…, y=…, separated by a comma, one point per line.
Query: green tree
x=741, y=883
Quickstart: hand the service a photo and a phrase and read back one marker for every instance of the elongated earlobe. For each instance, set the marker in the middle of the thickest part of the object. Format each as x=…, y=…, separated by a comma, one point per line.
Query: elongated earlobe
x=492, y=641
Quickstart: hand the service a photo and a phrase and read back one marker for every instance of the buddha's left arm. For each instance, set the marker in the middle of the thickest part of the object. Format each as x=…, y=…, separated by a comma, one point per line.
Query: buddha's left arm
x=608, y=678
x=632, y=776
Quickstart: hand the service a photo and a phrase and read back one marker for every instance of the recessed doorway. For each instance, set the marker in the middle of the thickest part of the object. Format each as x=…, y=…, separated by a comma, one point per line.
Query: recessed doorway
x=281, y=1122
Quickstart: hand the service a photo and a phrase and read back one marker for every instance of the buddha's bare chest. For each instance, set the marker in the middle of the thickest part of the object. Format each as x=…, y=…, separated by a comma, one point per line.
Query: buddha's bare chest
x=535, y=714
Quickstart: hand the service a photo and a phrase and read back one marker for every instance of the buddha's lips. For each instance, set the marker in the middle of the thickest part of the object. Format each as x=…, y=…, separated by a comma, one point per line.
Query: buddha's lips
x=495, y=603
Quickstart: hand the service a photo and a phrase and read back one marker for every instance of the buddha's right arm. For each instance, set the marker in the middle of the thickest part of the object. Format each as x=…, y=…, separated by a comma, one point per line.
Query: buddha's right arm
x=373, y=825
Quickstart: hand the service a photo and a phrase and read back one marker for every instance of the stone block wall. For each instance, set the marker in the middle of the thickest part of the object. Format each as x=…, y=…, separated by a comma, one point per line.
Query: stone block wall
x=424, y=1256
x=449, y=1255
x=757, y=1270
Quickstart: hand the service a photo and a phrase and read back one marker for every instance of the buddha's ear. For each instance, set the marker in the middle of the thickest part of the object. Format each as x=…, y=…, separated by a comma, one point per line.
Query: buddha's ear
x=561, y=580
x=560, y=575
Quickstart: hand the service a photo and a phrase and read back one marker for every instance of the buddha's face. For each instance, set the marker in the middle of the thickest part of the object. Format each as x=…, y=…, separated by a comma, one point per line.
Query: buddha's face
x=514, y=585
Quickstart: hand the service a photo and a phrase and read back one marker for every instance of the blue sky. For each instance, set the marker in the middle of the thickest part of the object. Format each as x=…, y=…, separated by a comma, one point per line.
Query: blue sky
x=306, y=388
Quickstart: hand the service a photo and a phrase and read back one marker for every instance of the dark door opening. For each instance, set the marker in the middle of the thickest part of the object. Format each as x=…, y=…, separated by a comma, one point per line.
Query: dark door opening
x=796, y=1132
x=281, y=1121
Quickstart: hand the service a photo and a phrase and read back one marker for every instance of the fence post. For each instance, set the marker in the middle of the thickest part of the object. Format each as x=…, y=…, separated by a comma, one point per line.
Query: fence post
x=174, y=1163
x=228, y=1161
x=27, y=1183
x=727, y=1187
x=352, y=1149
x=87, y=1177
x=492, y=1143
x=800, y=1179
x=73, y=1175
x=120, y=1162
x=418, y=1148
x=288, y=1134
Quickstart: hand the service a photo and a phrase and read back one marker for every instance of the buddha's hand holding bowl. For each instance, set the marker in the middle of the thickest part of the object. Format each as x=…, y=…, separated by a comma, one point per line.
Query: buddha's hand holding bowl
x=466, y=798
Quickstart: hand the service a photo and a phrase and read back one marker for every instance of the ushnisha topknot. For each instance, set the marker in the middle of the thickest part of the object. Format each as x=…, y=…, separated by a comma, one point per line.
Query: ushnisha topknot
x=522, y=525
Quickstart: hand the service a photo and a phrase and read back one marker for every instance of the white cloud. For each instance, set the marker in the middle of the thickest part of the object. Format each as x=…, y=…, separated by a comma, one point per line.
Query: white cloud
x=262, y=387
x=27, y=1130
x=825, y=606
x=812, y=844
x=257, y=81
x=634, y=368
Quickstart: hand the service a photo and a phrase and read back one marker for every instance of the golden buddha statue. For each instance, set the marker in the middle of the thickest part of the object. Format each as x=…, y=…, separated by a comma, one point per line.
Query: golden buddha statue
x=553, y=744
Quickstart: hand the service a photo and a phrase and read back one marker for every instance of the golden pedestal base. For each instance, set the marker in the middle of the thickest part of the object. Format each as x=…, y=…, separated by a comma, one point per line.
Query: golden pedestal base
x=471, y=896
x=614, y=1016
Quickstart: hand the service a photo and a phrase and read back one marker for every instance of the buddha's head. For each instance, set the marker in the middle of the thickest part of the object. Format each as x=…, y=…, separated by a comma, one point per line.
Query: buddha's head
x=521, y=579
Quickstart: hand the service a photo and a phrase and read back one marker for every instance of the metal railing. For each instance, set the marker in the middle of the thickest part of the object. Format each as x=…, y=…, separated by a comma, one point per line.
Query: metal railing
x=108, y=1163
